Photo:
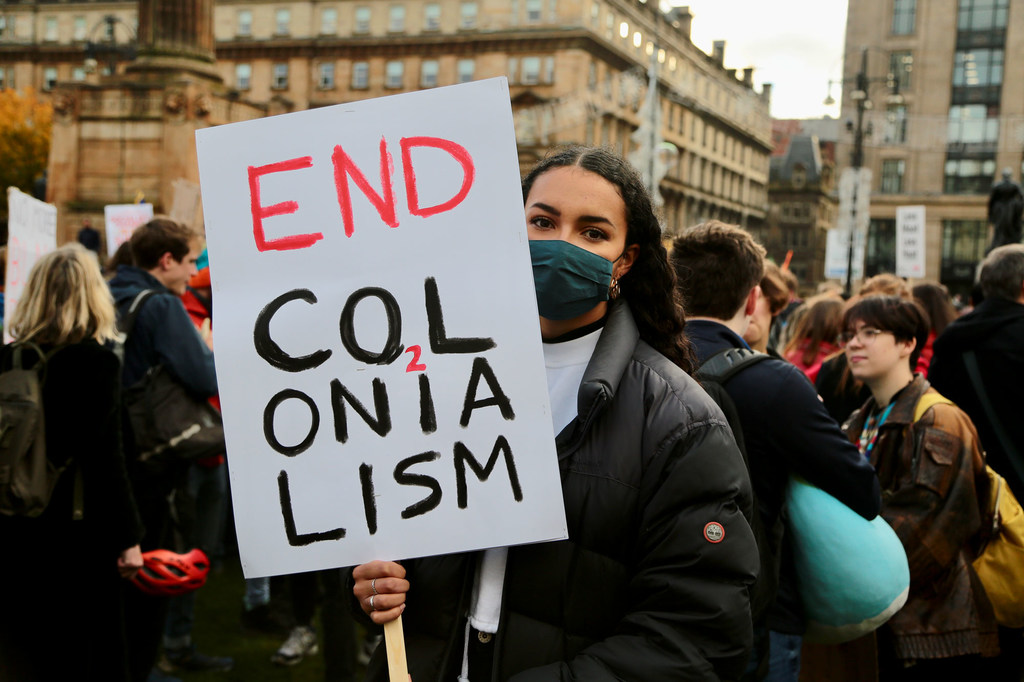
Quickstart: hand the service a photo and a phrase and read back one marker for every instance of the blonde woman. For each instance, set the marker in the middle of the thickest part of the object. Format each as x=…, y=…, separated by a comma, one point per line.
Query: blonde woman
x=62, y=576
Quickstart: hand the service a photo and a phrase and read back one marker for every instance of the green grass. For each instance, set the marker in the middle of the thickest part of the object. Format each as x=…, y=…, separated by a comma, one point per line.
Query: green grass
x=218, y=632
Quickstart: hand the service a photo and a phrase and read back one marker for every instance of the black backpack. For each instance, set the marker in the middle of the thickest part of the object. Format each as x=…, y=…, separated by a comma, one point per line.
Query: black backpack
x=170, y=428
x=27, y=476
x=713, y=375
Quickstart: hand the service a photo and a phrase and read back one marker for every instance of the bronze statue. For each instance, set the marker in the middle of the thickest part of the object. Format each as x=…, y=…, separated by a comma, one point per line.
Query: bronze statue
x=1005, y=206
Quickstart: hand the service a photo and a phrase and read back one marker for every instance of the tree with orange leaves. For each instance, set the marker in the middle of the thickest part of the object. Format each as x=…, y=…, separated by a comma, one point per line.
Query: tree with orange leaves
x=26, y=123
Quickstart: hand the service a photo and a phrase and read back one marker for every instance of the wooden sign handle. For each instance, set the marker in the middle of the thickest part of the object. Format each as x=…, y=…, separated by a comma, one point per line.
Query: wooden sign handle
x=394, y=640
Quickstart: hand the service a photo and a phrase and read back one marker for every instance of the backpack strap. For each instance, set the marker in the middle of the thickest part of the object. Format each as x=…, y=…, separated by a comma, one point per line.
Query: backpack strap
x=1009, y=448
x=724, y=365
x=134, y=308
x=927, y=400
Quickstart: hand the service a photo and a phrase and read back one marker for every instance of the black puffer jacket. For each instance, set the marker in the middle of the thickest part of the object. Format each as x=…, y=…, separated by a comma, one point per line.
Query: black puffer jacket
x=638, y=592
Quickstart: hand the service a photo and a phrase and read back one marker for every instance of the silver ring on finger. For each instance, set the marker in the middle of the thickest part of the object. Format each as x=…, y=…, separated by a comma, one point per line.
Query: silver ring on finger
x=372, y=607
x=373, y=586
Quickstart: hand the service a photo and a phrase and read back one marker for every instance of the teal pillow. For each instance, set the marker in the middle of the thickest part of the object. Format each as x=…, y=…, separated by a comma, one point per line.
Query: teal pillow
x=852, y=573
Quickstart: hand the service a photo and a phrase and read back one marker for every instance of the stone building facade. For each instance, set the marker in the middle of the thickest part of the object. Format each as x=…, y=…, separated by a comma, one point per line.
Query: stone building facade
x=577, y=71
x=803, y=202
x=942, y=137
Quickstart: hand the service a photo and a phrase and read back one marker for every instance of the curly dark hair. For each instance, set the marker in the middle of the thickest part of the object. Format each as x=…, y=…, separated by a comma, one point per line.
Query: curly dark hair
x=649, y=286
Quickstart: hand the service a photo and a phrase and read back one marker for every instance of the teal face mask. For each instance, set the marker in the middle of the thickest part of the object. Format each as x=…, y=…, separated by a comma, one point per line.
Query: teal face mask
x=569, y=280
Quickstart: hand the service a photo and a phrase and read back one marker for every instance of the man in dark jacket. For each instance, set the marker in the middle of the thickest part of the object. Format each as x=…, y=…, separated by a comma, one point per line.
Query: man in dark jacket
x=993, y=335
x=785, y=426
x=165, y=254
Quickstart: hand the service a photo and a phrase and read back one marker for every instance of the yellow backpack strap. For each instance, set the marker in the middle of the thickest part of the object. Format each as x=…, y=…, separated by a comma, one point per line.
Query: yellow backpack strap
x=929, y=399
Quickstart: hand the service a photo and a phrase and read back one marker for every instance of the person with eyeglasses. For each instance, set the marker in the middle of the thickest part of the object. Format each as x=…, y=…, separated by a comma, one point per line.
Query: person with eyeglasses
x=927, y=469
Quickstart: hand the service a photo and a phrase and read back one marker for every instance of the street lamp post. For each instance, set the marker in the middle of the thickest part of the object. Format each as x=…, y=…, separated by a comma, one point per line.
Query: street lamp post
x=110, y=49
x=862, y=103
x=860, y=96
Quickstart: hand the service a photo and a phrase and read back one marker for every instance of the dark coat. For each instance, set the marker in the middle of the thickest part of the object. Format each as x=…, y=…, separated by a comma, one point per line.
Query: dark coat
x=995, y=332
x=637, y=592
x=163, y=334
x=787, y=431
x=61, y=575
x=928, y=471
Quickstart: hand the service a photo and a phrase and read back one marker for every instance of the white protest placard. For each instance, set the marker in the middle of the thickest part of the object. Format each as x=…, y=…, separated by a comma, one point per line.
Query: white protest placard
x=31, y=233
x=377, y=342
x=910, y=246
x=121, y=221
x=837, y=252
x=185, y=203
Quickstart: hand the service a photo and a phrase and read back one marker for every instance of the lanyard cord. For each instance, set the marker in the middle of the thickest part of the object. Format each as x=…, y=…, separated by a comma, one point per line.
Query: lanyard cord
x=869, y=434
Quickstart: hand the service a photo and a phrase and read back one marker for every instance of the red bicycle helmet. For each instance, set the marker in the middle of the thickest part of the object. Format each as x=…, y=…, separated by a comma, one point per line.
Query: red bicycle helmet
x=166, y=574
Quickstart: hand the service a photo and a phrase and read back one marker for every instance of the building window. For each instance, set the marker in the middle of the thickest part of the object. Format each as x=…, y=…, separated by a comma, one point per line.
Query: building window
x=50, y=29
x=328, y=21
x=978, y=67
x=428, y=73
x=243, y=76
x=901, y=64
x=3, y=78
x=360, y=75
x=969, y=176
x=895, y=124
x=466, y=69
x=432, y=17
x=609, y=25
x=534, y=10
x=903, y=16
x=973, y=124
x=531, y=71
x=880, y=250
x=892, y=176
x=325, y=80
x=982, y=15
x=49, y=78
x=393, y=72
x=280, y=76
x=963, y=246
x=244, y=23
x=282, y=22
x=362, y=23
x=78, y=74
x=79, y=28
x=396, y=18
x=595, y=14
x=467, y=15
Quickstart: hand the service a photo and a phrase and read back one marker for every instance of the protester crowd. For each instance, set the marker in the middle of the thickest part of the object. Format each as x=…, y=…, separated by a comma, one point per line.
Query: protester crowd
x=691, y=391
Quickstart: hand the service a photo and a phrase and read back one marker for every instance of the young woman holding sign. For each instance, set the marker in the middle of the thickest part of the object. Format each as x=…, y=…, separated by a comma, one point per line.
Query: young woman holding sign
x=653, y=581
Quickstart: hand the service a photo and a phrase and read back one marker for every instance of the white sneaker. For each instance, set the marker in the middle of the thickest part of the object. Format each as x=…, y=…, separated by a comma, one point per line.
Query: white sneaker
x=301, y=642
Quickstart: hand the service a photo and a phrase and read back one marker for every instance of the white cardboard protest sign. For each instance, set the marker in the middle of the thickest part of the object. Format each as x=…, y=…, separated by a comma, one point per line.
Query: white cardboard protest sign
x=31, y=233
x=910, y=244
x=377, y=342
x=121, y=221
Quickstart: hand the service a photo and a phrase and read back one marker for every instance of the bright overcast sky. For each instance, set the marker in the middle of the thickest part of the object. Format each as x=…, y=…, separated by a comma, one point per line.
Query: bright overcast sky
x=796, y=45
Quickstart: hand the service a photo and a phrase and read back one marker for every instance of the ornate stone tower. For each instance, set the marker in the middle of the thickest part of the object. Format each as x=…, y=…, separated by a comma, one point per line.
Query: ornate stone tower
x=134, y=133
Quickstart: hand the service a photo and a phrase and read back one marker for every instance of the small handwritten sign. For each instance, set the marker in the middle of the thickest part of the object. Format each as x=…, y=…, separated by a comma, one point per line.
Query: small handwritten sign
x=31, y=233
x=910, y=241
x=121, y=221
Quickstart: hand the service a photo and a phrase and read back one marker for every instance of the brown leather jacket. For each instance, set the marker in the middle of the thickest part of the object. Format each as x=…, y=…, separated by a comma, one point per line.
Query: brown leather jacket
x=928, y=472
